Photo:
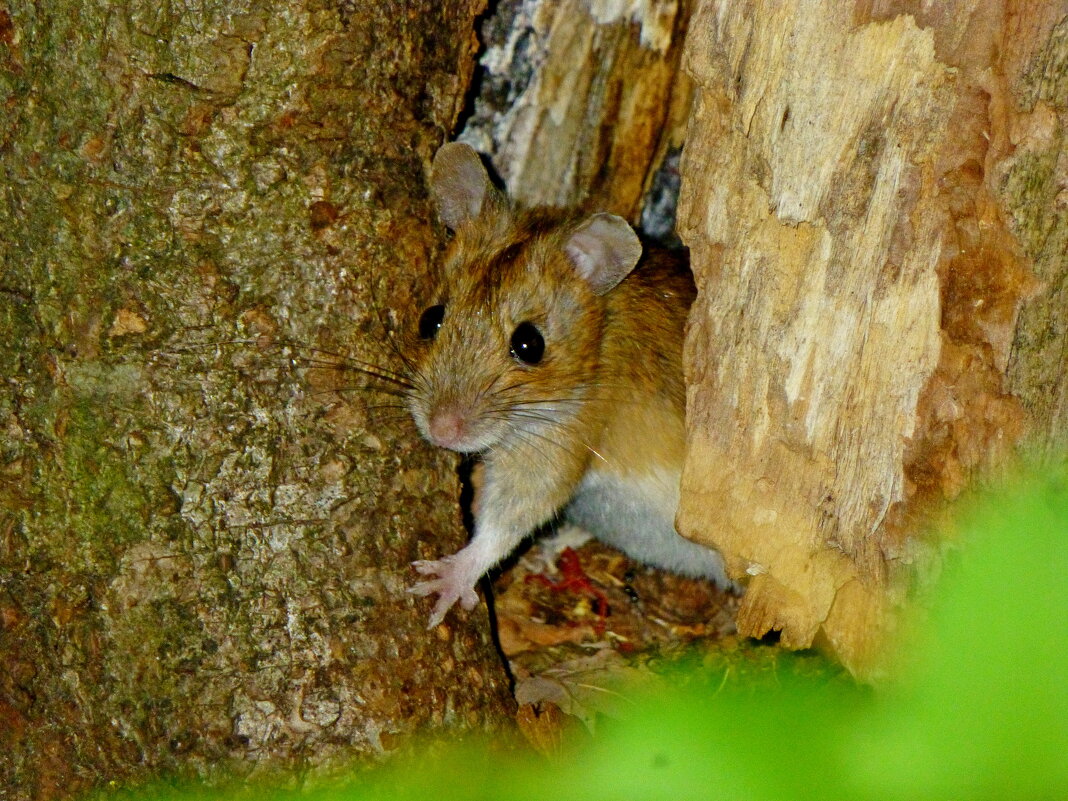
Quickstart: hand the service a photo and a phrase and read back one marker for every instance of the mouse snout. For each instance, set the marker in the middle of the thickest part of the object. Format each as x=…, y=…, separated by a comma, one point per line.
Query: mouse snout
x=449, y=427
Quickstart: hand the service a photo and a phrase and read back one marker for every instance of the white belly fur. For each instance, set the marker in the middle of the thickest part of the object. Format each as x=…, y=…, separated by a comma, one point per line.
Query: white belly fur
x=636, y=514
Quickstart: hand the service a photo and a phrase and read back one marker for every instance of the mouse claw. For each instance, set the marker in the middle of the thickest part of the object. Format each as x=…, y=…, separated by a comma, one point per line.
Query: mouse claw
x=441, y=608
x=426, y=567
x=451, y=585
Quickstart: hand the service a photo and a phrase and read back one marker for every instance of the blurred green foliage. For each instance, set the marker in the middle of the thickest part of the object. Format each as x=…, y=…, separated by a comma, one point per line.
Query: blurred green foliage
x=978, y=709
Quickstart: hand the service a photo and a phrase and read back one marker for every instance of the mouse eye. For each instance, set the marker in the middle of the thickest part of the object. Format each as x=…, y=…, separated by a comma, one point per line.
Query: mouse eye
x=430, y=322
x=527, y=344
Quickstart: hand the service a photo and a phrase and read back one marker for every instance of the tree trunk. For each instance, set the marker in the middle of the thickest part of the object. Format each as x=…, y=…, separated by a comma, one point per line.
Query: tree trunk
x=204, y=544
x=864, y=187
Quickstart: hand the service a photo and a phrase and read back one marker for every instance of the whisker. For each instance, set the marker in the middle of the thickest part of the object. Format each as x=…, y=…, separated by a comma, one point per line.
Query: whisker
x=346, y=363
x=595, y=453
x=525, y=433
x=191, y=347
x=334, y=360
x=354, y=366
x=395, y=417
x=387, y=386
x=621, y=399
x=533, y=417
x=549, y=406
x=398, y=351
x=389, y=412
x=403, y=406
x=524, y=436
x=338, y=390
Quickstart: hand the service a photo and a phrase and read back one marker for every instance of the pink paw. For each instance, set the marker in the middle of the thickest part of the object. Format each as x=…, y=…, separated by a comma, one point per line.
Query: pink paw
x=453, y=583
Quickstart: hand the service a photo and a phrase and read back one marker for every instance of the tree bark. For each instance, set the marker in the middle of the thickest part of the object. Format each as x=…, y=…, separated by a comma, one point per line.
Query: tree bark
x=582, y=102
x=204, y=543
x=856, y=200
x=1030, y=178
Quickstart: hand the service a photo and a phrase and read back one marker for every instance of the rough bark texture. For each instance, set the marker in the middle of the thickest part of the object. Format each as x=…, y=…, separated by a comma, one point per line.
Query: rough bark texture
x=1030, y=177
x=203, y=547
x=581, y=102
x=848, y=199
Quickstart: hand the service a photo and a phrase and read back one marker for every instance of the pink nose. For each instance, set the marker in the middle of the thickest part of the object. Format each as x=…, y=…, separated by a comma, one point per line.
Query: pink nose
x=447, y=427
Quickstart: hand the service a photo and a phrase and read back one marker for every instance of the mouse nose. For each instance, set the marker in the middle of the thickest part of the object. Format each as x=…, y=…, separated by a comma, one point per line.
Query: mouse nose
x=448, y=428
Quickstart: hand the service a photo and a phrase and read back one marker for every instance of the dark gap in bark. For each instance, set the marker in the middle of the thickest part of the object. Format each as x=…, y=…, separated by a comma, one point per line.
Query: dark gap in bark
x=474, y=88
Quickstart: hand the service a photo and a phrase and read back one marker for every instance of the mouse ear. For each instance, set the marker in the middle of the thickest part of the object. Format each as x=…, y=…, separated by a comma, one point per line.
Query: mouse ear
x=459, y=184
x=604, y=248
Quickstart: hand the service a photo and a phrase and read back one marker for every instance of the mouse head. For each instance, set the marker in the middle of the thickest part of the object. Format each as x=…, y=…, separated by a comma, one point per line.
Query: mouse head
x=509, y=347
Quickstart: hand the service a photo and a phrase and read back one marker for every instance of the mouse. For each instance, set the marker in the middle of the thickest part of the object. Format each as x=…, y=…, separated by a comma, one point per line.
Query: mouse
x=551, y=351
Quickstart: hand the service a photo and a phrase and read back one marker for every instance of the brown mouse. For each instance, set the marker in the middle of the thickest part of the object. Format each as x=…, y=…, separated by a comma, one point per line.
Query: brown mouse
x=553, y=351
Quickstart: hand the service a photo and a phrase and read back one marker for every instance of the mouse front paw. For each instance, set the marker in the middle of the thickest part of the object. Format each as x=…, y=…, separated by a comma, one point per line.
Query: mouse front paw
x=453, y=583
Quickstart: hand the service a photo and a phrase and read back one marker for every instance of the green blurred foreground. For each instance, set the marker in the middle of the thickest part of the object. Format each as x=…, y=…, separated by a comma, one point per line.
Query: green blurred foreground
x=979, y=710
